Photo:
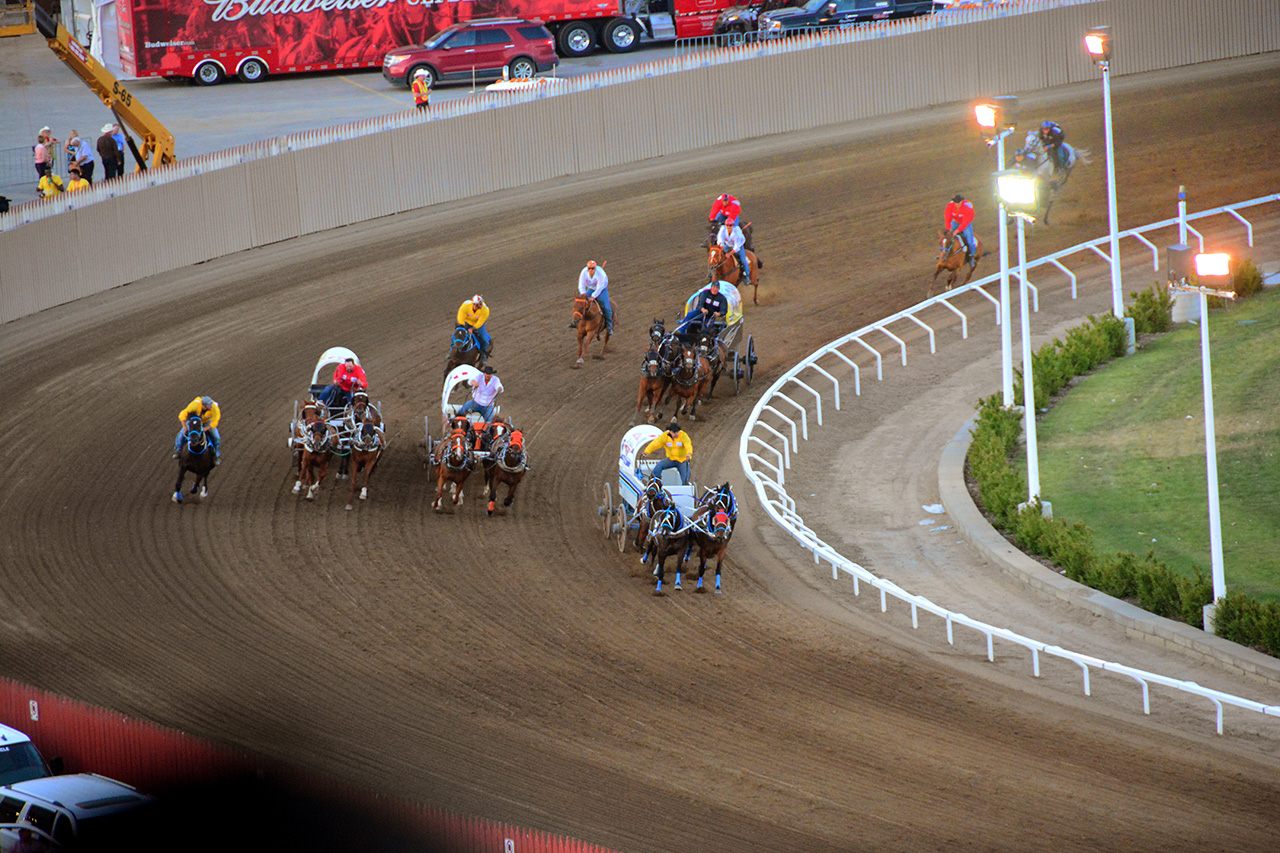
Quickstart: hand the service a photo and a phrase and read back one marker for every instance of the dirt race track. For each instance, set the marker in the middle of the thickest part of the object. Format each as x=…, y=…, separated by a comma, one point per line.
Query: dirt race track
x=517, y=667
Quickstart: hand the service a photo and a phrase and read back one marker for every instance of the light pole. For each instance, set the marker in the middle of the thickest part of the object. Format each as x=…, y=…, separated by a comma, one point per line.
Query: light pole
x=1211, y=269
x=1098, y=44
x=1017, y=191
x=998, y=118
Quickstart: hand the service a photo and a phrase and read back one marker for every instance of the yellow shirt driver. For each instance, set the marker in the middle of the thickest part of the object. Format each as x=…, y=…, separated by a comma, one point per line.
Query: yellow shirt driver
x=679, y=449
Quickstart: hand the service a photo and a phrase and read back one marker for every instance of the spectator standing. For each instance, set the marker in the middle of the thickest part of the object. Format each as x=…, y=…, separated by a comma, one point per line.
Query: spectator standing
x=118, y=135
x=80, y=153
x=77, y=181
x=43, y=151
x=50, y=184
x=109, y=152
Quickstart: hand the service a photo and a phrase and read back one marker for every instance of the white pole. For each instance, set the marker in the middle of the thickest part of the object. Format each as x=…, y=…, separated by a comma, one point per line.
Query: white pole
x=1117, y=295
x=1182, y=215
x=1211, y=457
x=1028, y=382
x=1006, y=323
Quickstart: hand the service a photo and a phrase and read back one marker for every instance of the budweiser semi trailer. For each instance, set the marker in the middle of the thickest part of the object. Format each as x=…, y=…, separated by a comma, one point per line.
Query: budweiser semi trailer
x=209, y=40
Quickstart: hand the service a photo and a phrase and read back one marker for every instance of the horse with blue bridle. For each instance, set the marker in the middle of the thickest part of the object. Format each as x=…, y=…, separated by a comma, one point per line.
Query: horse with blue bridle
x=196, y=456
x=1051, y=169
x=668, y=535
x=464, y=348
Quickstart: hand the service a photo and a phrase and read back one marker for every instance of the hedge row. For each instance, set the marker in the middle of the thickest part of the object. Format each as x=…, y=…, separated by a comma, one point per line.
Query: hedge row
x=1144, y=581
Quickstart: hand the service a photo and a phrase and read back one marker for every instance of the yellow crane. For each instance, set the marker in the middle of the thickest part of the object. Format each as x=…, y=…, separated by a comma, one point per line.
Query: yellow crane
x=157, y=142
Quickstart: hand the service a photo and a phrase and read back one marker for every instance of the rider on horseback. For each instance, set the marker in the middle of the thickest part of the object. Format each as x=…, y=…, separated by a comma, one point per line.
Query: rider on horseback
x=725, y=210
x=594, y=282
x=1051, y=138
x=731, y=239
x=710, y=311
x=210, y=414
x=958, y=219
x=679, y=449
x=472, y=315
x=348, y=378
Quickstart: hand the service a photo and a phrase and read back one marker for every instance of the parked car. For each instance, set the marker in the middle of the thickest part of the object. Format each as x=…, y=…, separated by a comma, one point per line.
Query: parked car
x=828, y=14
x=19, y=758
x=80, y=811
x=478, y=49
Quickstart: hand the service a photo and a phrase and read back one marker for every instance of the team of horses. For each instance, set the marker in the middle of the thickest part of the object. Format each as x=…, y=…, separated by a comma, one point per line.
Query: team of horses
x=679, y=367
x=663, y=531
x=497, y=447
x=354, y=434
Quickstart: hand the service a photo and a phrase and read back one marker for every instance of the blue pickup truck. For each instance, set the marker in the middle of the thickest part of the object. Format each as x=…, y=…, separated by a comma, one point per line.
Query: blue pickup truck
x=829, y=14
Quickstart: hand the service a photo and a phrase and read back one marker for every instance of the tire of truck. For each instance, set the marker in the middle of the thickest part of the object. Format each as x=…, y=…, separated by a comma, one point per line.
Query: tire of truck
x=252, y=71
x=621, y=35
x=432, y=77
x=576, y=39
x=522, y=68
x=209, y=73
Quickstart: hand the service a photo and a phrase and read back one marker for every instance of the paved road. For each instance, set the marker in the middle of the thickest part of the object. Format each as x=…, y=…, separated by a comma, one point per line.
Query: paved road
x=40, y=90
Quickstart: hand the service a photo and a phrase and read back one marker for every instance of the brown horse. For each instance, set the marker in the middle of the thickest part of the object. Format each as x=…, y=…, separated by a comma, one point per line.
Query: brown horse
x=723, y=266
x=717, y=354
x=318, y=446
x=654, y=499
x=589, y=323
x=689, y=379
x=711, y=537
x=307, y=415
x=454, y=458
x=951, y=257
x=652, y=384
x=366, y=449
x=507, y=464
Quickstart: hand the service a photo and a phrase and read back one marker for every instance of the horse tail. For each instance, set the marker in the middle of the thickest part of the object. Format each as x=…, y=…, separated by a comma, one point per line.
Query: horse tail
x=759, y=262
x=1084, y=155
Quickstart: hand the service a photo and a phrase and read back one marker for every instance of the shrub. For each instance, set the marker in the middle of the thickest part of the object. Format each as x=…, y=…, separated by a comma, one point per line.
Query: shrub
x=1152, y=310
x=1250, y=622
x=1246, y=281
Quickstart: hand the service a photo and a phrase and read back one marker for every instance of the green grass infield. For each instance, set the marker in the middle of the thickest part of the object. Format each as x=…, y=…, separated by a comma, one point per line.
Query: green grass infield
x=1124, y=449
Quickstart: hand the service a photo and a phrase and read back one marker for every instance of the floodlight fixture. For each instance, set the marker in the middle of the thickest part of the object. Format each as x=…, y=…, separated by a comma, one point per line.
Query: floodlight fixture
x=1018, y=192
x=996, y=115
x=1213, y=264
x=1097, y=43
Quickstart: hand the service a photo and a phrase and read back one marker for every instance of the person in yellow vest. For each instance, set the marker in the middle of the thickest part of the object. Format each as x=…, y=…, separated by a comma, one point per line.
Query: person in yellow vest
x=209, y=412
x=679, y=448
x=77, y=182
x=472, y=315
x=421, y=88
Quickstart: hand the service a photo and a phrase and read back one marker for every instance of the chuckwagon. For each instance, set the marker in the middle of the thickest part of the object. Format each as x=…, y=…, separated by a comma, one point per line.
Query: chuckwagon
x=340, y=419
x=633, y=473
x=740, y=362
x=453, y=396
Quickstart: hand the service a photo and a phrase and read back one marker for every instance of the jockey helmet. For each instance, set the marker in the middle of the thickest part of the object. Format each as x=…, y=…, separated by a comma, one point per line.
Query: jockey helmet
x=206, y=402
x=477, y=300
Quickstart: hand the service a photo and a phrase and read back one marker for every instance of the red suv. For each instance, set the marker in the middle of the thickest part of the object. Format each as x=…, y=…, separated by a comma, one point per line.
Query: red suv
x=480, y=48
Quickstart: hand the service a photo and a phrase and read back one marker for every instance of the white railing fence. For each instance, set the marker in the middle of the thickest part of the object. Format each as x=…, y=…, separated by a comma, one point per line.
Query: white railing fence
x=782, y=415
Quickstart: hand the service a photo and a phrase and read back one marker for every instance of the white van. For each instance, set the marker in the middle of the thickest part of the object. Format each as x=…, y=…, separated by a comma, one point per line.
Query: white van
x=76, y=811
x=19, y=758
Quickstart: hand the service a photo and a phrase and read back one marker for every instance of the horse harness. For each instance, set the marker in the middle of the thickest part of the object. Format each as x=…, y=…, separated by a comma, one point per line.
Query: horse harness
x=498, y=453
x=458, y=440
x=680, y=375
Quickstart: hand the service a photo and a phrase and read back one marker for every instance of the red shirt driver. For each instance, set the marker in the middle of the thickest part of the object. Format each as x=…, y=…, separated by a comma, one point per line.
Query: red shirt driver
x=346, y=378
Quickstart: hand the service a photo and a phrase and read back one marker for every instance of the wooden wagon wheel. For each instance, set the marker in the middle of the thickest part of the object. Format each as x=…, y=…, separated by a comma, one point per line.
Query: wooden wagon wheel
x=624, y=523
x=606, y=509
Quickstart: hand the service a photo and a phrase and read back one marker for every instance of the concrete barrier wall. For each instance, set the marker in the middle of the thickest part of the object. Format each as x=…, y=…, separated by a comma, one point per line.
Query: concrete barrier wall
x=204, y=207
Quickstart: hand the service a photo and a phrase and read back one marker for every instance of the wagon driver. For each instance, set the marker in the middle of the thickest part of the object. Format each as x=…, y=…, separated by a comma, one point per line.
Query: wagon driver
x=710, y=310
x=594, y=282
x=348, y=378
x=679, y=449
x=485, y=388
x=209, y=412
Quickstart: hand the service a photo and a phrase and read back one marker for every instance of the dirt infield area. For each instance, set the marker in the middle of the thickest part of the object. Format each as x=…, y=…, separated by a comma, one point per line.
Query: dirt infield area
x=517, y=667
